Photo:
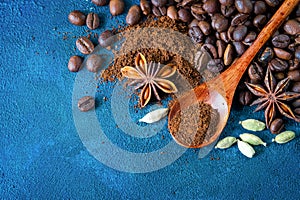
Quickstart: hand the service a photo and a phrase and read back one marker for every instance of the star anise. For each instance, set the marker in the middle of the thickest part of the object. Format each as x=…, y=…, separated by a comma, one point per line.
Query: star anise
x=149, y=76
x=273, y=98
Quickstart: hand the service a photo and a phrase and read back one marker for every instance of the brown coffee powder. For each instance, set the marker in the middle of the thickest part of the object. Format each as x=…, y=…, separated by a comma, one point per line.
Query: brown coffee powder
x=139, y=39
x=194, y=125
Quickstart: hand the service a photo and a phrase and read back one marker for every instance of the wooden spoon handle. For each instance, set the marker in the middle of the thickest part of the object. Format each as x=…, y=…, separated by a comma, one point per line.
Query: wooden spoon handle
x=233, y=74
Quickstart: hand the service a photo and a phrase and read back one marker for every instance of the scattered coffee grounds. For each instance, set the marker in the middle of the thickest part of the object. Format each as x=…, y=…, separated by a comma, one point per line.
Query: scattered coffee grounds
x=197, y=128
x=172, y=50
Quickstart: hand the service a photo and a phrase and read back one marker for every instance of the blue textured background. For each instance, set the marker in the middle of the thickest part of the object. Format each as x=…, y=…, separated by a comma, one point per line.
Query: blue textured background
x=42, y=156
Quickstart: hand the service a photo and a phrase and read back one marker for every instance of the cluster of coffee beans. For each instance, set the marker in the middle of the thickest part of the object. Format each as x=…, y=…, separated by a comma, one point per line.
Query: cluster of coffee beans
x=92, y=21
x=282, y=56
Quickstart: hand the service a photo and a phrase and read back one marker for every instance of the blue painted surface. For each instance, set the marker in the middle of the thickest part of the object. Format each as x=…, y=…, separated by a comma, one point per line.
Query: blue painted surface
x=42, y=156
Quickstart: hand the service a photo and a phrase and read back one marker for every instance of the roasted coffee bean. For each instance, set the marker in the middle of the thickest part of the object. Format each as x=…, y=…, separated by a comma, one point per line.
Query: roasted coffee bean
x=260, y=7
x=259, y=21
x=145, y=7
x=227, y=11
x=210, y=39
x=116, y=7
x=86, y=103
x=75, y=63
x=297, y=40
x=224, y=37
x=297, y=53
x=205, y=27
x=198, y=9
x=100, y=2
x=279, y=75
x=219, y=23
x=134, y=15
x=281, y=41
x=239, y=47
x=163, y=10
x=226, y=2
x=296, y=87
x=294, y=75
x=297, y=111
x=172, y=12
x=267, y=55
x=196, y=34
x=193, y=23
x=239, y=19
x=215, y=65
x=278, y=65
x=92, y=21
x=221, y=46
x=186, y=3
x=228, y=55
x=294, y=64
x=156, y=11
x=276, y=126
x=230, y=32
x=198, y=17
x=77, y=18
x=250, y=38
x=255, y=72
x=296, y=103
x=245, y=97
x=292, y=27
x=240, y=33
x=282, y=54
x=272, y=3
x=159, y=3
x=211, y=6
x=184, y=15
x=94, y=63
x=106, y=38
x=210, y=49
x=84, y=45
x=244, y=6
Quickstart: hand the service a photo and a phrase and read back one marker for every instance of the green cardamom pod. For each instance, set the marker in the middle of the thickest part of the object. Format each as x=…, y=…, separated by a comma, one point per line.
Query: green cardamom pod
x=245, y=148
x=284, y=137
x=252, y=139
x=226, y=142
x=253, y=125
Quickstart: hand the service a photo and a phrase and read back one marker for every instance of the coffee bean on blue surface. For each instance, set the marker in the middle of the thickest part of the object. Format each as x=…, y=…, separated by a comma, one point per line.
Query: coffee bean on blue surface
x=75, y=63
x=116, y=7
x=100, y=2
x=84, y=45
x=134, y=15
x=106, y=38
x=86, y=103
x=94, y=63
x=245, y=97
x=77, y=18
x=92, y=21
x=276, y=126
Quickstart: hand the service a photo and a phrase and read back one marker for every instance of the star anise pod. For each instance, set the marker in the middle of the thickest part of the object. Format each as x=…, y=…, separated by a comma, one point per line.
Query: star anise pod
x=149, y=76
x=273, y=98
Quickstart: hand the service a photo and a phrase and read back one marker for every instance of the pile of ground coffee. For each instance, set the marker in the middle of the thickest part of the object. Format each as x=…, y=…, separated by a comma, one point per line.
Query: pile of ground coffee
x=148, y=38
x=197, y=128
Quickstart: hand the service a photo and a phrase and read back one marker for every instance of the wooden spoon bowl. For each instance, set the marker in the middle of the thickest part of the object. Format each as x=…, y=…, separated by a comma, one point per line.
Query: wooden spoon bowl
x=219, y=92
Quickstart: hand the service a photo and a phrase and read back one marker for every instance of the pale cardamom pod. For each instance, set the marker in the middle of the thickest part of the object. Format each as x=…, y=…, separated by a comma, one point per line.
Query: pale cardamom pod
x=155, y=115
x=252, y=139
x=245, y=148
x=226, y=142
x=253, y=125
x=284, y=137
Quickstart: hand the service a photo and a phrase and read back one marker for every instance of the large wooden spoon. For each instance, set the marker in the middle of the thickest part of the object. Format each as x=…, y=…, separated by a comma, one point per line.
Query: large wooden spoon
x=219, y=91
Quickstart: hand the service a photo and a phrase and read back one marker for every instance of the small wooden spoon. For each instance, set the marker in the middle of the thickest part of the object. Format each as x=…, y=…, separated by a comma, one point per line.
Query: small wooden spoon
x=219, y=91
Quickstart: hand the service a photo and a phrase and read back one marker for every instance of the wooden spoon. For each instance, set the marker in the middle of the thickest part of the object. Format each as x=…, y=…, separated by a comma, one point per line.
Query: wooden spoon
x=219, y=91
